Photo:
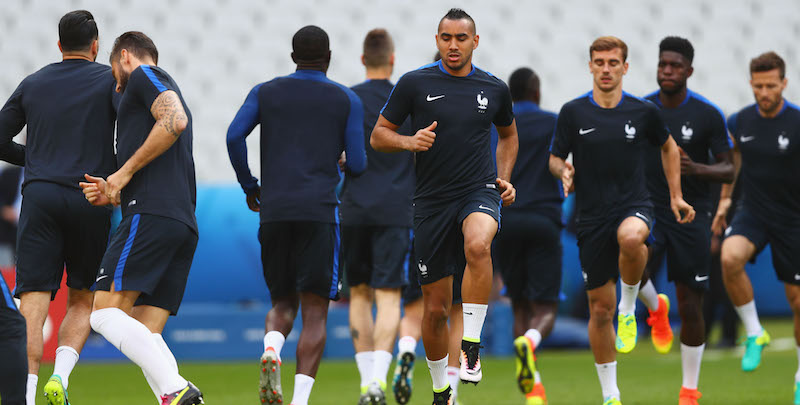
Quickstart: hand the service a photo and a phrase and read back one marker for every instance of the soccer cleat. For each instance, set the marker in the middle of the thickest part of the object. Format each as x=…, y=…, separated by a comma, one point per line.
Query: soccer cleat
x=752, y=350
x=375, y=394
x=688, y=396
x=612, y=401
x=403, y=376
x=526, y=363
x=269, y=381
x=537, y=396
x=661, y=331
x=54, y=392
x=364, y=398
x=187, y=396
x=470, y=371
x=626, y=333
x=796, y=393
x=443, y=398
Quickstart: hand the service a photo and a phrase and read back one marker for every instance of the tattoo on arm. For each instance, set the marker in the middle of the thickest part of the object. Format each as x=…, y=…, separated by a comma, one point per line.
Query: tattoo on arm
x=168, y=111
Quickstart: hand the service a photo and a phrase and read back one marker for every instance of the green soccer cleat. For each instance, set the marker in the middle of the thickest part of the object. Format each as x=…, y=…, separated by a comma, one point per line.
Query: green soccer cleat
x=752, y=350
x=626, y=333
x=54, y=392
x=612, y=401
x=525, y=362
x=797, y=393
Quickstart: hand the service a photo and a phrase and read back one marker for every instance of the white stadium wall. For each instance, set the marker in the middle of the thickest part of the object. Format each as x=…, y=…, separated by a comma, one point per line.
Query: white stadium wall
x=218, y=49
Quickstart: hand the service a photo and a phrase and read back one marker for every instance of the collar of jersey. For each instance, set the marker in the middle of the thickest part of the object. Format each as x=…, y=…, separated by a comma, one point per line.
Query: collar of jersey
x=307, y=74
x=441, y=67
x=591, y=98
x=655, y=94
x=785, y=104
x=525, y=106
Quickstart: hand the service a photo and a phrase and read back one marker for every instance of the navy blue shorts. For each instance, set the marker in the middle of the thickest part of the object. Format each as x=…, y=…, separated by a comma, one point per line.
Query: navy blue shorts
x=301, y=256
x=598, y=247
x=438, y=240
x=150, y=254
x=783, y=238
x=687, y=248
x=527, y=253
x=58, y=228
x=14, y=366
x=413, y=291
x=377, y=256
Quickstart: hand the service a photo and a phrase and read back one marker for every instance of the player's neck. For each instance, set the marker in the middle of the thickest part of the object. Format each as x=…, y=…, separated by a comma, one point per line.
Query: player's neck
x=673, y=100
x=73, y=56
x=379, y=73
x=774, y=113
x=607, y=99
x=463, y=72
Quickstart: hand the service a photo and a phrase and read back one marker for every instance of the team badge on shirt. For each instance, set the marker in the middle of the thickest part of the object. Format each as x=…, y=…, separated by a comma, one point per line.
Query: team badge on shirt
x=630, y=131
x=783, y=142
x=483, y=103
x=687, y=132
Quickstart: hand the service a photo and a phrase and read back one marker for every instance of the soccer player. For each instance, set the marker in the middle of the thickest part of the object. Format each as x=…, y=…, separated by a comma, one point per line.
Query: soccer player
x=146, y=266
x=69, y=108
x=701, y=133
x=12, y=350
x=607, y=131
x=767, y=137
x=377, y=214
x=528, y=247
x=459, y=192
x=306, y=120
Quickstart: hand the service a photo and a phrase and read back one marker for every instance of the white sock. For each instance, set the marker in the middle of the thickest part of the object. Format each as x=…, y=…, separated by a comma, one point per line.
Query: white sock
x=302, y=389
x=165, y=351
x=381, y=361
x=797, y=374
x=66, y=358
x=438, y=369
x=365, y=363
x=453, y=379
x=474, y=315
x=153, y=386
x=607, y=372
x=406, y=344
x=534, y=336
x=627, y=299
x=537, y=378
x=30, y=392
x=691, y=357
x=749, y=316
x=275, y=340
x=135, y=341
x=648, y=295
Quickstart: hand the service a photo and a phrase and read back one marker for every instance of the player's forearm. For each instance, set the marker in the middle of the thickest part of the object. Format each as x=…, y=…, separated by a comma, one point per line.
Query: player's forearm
x=384, y=139
x=161, y=138
x=721, y=172
x=671, y=161
x=13, y=153
x=507, y=148
x=556, y=166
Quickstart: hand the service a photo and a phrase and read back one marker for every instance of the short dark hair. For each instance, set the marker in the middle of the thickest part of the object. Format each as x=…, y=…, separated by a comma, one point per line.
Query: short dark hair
x=77, y=30
x=609, y=43
x=678, y=45
x=458, y=14
x=378, y=48
x=137, y=43
x=522, y=83
x=310, y=43
x=768, y=61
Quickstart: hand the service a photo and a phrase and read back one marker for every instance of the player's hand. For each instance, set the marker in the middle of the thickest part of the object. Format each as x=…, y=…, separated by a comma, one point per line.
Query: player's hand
x=254, y=200
x=720, y=218
x=507, y=192
x=684, y=213
x=94, y=190
x=114, y=185
x=342, y=160
x=567, y=177
x=423, y=139
x=687, y=164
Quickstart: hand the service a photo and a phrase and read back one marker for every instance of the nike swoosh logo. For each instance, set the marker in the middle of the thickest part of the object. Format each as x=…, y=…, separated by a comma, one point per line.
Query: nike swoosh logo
x=797, y=276
x=700, y=279
x=747, y=138
x=585, y=131
x=642, y=217
x=100, y=278
x=429, y=98
x=485, y=208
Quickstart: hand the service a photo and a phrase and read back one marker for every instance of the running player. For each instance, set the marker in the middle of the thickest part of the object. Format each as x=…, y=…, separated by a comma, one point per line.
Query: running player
x=703, y=133
x=614, y=207
x=459, y=192
x=12, y=350
x=767, y=136
x=69, y=110
x=376, y=230
x=300, y=236
x=528, y=248
x=147, y=261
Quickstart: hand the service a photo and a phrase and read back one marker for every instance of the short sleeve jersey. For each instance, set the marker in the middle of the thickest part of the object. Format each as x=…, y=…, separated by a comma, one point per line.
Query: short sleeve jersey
x=700, y=130
x=609, y=146
x=165, y=186
x=770, y=173
x=460, y=160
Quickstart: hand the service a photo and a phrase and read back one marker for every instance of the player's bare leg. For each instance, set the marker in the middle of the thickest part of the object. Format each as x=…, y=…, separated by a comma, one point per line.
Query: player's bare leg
x=34, y=306
x=533, y=321
x=410, y=332
x=631, y=234
x=437, y=299
x=602, y=302
x=155, y=319
x=690, y=307
x=362, y=328
x=387, y=323
x=278, y=324
x=314, y=310
x=456, y=325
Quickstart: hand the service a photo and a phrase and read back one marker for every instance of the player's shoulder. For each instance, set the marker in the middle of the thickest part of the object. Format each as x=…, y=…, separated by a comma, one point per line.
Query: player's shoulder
x=792, y=109
x=749, y=111
x=700, y=102
x=421, y=73
x=488, y=76
x=638, y=102
x=577, y=103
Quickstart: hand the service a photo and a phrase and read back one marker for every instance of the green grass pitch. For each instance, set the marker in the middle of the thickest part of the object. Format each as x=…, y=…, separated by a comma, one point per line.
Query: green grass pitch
x=644, y=377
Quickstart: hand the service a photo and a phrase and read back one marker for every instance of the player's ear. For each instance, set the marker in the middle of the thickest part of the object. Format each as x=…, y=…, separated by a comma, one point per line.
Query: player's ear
x=293, y=58
x=59, y=46
x=477, y=37
x=95, y=48
x=625, y=68
x=689, y=72
x=363, y=61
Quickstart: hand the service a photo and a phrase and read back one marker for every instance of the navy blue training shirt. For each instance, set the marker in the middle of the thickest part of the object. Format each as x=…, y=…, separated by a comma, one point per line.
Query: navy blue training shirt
x=383, y=194
x=70, y=109
x=536, y=188
x=699, y=128
x=460, y=160
x=307, y=120
x=166, y=186
x=770, y=173
x=6, y=298
x=609, y=146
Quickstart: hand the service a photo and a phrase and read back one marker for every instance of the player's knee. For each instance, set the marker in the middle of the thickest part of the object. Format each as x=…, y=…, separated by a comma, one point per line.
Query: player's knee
x=602, y=313
x=437, y=313
x=477, y=249
x=630, y=243
x=794, y=303
x=690, y=312
x=732, y=260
